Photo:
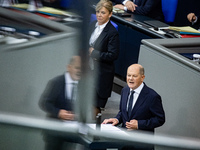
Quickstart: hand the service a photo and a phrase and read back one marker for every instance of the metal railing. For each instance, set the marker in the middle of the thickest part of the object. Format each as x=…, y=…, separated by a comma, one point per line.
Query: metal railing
x=81, y=129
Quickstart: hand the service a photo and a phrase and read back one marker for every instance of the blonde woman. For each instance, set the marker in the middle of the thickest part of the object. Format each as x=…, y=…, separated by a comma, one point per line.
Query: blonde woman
x=103, y=51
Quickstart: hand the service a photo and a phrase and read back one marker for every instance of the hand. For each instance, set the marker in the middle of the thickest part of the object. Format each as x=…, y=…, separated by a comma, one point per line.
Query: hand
x=130, y=6
x=133, y=124
x=191, y=17
x=114, y=121
x=90, y=50
x=119, y=6
x=65, y=115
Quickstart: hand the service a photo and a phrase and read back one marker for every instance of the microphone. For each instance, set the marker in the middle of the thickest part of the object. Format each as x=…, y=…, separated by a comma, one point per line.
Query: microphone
x=196, y=58
x=98, y=121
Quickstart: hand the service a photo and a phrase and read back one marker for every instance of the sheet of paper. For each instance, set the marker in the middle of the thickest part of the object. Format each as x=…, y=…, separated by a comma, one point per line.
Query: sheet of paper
x=184, y=29
x=22, y=6
x=108, y=127
x=104, y=127
x=71, y=123
x=51, y=10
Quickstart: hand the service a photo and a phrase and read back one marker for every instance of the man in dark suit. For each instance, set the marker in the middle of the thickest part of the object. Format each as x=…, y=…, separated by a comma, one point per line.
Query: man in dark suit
x=146, y=111
x=58, y=101
x=103, y=51
x=150, y=8
x=140, y=106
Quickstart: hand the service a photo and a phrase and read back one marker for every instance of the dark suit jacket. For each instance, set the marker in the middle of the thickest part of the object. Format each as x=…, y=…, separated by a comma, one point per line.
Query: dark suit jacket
x=53, y=98
x=106, y=50
x=148, y=109
x=150, y=8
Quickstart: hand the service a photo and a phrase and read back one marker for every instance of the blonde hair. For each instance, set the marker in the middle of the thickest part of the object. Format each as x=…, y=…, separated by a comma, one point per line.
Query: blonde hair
x=104, y=3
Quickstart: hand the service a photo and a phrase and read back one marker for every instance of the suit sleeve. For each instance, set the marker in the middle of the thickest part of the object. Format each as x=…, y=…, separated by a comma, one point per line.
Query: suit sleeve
x=48, y=98
x=196, y=25
x=119, y=115
x=157, y=115
x=111, y=51
x=118, y=1
x=147, y=8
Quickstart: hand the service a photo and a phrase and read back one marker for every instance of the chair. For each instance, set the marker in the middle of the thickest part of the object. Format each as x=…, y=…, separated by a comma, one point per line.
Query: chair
x=66, y=3
x=169, y=10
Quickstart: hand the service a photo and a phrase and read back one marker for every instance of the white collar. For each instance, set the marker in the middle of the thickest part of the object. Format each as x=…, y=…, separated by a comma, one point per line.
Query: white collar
x=101, y=26
x=68, y=79
x=139, y=89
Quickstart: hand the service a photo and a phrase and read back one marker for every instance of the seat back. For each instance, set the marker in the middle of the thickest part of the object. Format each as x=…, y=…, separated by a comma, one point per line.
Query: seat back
x=169, y=10
x=66, y=4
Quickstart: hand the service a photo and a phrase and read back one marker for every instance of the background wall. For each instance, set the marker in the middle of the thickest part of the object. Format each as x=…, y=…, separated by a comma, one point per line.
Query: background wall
x=24, y=74
x=178, y=84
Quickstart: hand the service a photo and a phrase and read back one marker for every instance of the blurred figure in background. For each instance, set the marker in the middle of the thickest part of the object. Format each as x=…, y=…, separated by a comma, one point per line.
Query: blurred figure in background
x=58, y=101
x=150, y=8
x=103, y=51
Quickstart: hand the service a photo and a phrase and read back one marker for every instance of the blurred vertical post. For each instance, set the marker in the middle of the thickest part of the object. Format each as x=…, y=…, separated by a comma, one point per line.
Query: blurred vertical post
x=34, y=5
x=85, y=94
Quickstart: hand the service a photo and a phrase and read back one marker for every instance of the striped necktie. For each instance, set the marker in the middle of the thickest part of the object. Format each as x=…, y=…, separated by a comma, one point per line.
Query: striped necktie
x=74, y=91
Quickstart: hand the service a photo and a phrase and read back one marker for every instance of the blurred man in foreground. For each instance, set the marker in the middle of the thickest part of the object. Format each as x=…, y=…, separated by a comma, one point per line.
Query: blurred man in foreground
x=58, y=101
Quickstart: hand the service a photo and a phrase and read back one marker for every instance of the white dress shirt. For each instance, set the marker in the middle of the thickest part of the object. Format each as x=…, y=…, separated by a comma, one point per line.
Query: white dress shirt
x=124, y=2
x=93, y=38
x=135, y=96
x=69, y=85
x=96, y=33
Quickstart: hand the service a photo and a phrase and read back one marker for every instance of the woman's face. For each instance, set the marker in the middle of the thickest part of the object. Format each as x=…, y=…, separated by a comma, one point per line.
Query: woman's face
x=103, y=15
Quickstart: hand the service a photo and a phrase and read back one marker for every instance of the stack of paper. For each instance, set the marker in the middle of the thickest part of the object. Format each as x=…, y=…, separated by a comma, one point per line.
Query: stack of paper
x=117, y=10
x=47, y=10
x=51, y=10
x=185, y=30
x=22, y=6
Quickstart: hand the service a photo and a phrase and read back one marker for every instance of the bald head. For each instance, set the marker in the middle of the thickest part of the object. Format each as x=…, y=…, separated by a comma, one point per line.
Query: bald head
x=138, y=67
x=74, y=67
x=135, y=76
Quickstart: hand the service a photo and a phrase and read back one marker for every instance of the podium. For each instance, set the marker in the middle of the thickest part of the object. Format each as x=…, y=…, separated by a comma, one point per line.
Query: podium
x=176, y=78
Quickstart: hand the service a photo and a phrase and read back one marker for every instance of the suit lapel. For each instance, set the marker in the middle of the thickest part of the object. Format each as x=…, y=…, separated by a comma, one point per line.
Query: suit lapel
x=140, y=100
x=92, y=28
x=102, y=35
x=126, y=94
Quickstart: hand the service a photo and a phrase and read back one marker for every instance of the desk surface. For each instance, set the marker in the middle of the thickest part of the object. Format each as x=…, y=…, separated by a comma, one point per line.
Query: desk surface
x=98, y=142
x=136, y=22
x=132, y=30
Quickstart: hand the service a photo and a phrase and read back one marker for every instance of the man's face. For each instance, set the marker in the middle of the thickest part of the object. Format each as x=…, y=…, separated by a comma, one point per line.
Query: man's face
x=133, y=78
x=74, y=69
x=103, y=15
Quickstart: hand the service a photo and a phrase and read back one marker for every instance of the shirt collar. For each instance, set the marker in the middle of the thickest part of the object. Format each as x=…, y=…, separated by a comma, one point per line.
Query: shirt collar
x=101, y=26
x=68, y=79
x=139, y=89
